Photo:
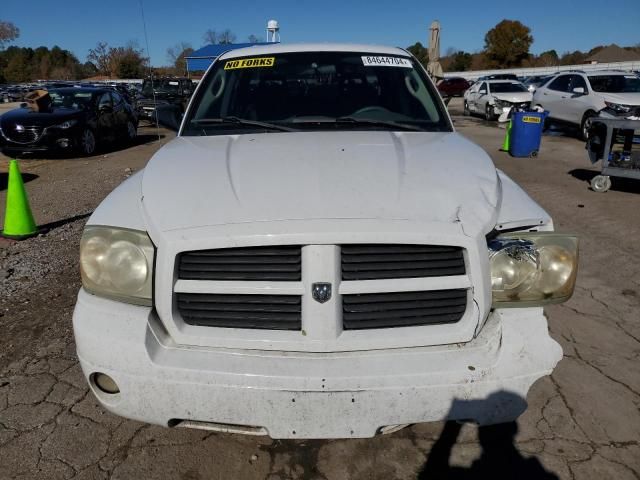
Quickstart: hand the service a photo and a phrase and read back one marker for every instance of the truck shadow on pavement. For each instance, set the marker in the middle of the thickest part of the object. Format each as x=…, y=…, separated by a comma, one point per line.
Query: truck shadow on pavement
x=47, y=227
x=4, y=179
x=619, y=184
x=500, y=458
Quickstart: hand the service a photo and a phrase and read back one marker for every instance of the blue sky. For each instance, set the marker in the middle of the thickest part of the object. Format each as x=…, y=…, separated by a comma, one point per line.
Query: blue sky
x=78, y=25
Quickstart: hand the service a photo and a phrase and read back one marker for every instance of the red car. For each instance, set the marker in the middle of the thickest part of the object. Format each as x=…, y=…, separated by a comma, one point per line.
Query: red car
x=452, y=87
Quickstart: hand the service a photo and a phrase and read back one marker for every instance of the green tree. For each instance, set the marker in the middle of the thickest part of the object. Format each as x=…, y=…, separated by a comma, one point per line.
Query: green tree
x=547, y=59
x=573, y=58
x=507, y=44
x=18, y=67
x=460, y=61
x=420, y=52
x=87, y=69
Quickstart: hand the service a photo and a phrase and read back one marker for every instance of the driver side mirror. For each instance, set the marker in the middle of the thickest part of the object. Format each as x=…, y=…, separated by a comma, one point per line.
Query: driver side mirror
x=482, y=92
x=169, y=116
x=105, y=109
x=579, y=90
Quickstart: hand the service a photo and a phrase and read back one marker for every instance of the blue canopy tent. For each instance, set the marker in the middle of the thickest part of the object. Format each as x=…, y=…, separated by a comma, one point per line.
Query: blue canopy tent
x=203, y=57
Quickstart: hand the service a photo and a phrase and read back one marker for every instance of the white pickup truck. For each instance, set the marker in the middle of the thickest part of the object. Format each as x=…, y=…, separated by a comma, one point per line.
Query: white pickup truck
x=318, y=254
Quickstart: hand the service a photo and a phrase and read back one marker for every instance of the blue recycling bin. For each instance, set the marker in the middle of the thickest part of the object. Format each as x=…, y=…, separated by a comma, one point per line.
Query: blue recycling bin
x=526, y=133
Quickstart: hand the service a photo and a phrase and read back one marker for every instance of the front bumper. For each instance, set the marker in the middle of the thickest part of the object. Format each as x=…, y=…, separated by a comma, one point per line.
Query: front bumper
x=59, y=140
x=309, y=395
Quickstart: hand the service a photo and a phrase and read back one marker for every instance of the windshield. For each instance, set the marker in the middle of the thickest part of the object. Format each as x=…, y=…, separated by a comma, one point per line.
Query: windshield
x=615, y=83
x=507, y=87
x=161, y=85
x=316, y=90
x=72, y=100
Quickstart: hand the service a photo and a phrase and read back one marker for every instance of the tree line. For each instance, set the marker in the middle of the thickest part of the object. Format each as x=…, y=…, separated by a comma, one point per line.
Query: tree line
x=24, y=64
x=505, y=46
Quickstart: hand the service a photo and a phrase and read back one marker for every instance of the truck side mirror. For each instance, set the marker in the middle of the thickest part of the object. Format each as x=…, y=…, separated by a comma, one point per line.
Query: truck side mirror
x=169, y=116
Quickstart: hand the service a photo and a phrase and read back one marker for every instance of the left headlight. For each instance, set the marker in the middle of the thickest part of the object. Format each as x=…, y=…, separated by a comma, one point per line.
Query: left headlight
x=117, y=263
x=67, y=124
x=618, y=107
x=532, y=269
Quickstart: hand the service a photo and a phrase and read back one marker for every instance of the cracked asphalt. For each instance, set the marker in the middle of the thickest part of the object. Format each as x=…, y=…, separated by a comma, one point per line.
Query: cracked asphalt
x=583, y=422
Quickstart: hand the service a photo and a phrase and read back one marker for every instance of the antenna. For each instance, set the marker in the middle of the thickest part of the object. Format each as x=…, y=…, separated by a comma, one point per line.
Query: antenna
x=153, y=90
x=273, y=31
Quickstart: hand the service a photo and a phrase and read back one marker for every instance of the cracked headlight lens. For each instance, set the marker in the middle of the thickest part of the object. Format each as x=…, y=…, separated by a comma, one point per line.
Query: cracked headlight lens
x=529, y=269
x=117, y=263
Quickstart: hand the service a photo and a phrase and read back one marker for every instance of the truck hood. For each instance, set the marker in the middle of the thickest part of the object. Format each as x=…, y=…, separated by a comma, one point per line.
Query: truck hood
x=215, y=180
x=514, y=97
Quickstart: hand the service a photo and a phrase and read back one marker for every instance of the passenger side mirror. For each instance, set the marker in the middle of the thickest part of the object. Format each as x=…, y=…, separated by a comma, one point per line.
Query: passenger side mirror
x=169, y=116
x=579, y=90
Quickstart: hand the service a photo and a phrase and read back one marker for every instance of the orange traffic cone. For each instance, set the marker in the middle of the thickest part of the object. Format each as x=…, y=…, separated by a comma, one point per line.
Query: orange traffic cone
x=18, y=219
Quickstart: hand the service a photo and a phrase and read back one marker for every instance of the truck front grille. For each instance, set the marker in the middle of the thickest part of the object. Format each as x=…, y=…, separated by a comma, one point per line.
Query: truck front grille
x=280, y=263
x=382, y=261
x=273, y=312
x=374, y=286
x=402, y=309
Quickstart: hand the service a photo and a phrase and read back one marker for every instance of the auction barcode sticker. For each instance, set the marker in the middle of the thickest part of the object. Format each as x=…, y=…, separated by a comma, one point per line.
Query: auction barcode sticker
x=386, y=62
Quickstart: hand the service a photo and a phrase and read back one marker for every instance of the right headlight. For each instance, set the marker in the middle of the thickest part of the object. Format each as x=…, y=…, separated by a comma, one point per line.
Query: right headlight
x=117, y=263
x=531, y=269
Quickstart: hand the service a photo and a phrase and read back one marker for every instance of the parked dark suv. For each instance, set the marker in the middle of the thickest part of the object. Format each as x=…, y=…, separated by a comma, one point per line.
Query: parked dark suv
x=163, y=91
x=452, y=87
x=77, y=118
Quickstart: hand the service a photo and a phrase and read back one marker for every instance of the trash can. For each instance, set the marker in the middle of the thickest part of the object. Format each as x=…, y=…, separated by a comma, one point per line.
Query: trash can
x=526, y=133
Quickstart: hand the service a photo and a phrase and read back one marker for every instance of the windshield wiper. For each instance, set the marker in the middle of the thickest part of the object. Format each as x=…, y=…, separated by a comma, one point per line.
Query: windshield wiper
x=381, y=123
x=243, y=121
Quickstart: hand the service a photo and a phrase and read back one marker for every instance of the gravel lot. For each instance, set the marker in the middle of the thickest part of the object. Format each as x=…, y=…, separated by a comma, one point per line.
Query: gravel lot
x=582, y=422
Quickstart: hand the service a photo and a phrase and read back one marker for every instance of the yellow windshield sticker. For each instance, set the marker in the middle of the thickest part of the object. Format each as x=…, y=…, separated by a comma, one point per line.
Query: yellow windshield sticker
x=250, y=63
x=531, y=119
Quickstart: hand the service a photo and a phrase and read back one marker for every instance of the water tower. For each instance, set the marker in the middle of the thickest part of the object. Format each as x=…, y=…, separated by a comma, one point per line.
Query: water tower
x=273, y=31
